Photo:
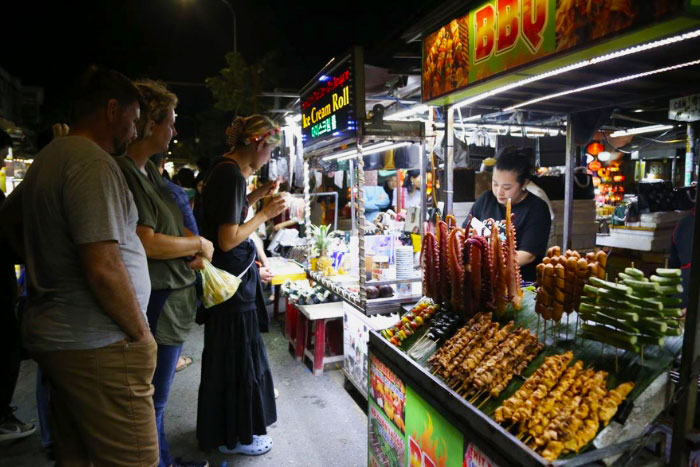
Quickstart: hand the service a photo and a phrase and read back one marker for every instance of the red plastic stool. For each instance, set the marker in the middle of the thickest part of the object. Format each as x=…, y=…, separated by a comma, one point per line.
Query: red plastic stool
x=319, y=316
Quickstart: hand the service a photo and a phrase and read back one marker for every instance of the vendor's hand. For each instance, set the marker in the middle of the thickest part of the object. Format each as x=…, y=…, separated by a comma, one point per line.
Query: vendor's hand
x=266, y=189
x=274, y=208
x=207, y=250
x=197, y=263
x=277, y=227
x=265, y=274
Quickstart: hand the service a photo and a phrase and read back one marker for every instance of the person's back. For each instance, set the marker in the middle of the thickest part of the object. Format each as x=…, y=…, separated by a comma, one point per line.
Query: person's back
x=70, y=189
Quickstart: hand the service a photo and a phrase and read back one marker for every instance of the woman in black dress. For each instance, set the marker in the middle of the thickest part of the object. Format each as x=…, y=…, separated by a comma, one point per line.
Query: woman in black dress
x=236, y=393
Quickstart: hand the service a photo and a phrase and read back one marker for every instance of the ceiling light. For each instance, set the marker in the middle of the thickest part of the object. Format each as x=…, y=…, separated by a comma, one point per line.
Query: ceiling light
x=638, y=111
x=174, y=141
x=604, y=156
x=374, y=149
x=350, y=153
x=604, y=83
x=296, y=118
x=640, y=130
x=416, y=109
x=582, y=64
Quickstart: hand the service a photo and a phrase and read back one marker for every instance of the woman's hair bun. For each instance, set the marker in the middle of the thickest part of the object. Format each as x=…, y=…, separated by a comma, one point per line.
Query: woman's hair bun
x=235, y=132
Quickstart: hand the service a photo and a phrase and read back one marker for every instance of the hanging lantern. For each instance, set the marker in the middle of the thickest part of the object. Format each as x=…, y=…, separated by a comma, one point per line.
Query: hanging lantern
x=595, y=166
x=594, y=148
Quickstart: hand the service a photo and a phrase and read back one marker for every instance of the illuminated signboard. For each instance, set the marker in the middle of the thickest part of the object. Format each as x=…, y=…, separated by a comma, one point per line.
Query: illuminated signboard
x=328, y=103
x=502, y=34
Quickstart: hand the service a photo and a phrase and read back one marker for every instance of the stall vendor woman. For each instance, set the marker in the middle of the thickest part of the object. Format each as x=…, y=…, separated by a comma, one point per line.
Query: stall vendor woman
x=532, y=219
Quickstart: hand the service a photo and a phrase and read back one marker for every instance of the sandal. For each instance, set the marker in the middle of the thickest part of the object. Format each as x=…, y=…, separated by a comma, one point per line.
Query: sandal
x=259, y=446
x=182, y=363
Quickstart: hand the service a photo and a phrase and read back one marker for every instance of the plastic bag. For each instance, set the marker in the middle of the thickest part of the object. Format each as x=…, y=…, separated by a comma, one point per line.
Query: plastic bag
x=218, y=285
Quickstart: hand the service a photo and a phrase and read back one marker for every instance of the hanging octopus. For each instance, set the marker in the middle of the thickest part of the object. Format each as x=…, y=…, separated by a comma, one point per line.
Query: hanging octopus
x=515, y=293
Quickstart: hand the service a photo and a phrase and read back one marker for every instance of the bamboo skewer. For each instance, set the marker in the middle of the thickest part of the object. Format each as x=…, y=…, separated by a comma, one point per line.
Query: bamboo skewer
x=483, y=402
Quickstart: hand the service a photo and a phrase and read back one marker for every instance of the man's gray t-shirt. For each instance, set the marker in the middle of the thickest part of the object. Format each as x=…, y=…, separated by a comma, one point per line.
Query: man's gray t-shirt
x=74, y=193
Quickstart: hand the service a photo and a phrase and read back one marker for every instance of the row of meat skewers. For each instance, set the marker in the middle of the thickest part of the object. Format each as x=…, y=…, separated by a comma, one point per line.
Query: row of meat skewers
x=560, y=408
x=482, y=357
x=470, y=271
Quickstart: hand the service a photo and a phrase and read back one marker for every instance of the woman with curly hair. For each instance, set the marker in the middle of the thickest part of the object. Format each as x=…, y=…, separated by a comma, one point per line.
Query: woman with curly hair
x=236, y=393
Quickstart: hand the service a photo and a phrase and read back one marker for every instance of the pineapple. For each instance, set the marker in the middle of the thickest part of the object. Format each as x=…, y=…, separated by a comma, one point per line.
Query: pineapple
x=322, y=238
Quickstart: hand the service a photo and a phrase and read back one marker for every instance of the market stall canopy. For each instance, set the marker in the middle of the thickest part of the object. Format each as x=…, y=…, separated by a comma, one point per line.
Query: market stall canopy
x=560, y=59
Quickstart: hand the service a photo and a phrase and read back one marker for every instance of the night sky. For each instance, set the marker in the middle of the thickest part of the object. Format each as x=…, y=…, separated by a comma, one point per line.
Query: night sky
x=49, y=43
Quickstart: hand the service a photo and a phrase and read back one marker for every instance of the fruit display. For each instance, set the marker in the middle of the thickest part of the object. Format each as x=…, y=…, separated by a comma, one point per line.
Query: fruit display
x=301, y=292
x=383, y=291
x=421, y=313
x=634, y=311
x=561, y=279
x=470, y=271
x=560, y=409
x=482, y=357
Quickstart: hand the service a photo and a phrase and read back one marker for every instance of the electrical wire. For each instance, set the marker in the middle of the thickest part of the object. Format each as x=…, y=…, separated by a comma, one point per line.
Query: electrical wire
x=624, y=151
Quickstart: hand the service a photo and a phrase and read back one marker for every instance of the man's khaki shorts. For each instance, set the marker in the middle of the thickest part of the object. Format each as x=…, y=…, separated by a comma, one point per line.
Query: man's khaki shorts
x=102, y=404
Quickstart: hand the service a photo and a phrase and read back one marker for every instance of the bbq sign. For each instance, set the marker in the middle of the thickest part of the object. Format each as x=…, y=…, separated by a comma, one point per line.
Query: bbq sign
x=327, y=108
x=499, y=35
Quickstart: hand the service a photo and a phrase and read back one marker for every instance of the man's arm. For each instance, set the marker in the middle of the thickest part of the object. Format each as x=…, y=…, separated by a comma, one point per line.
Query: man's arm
x=110, y=282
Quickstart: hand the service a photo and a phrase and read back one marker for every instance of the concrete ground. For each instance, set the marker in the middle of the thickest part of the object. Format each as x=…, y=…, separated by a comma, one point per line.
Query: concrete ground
x=319, y=422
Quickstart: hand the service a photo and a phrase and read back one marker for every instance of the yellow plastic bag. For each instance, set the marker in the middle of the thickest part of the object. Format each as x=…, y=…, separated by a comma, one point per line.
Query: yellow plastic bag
x=218, y=285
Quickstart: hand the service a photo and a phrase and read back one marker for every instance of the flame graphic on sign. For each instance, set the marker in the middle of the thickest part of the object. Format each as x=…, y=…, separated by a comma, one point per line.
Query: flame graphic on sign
x=428, y=455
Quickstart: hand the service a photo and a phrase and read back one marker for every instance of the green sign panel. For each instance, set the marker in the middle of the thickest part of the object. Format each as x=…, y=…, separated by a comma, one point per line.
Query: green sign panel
x=431, y=440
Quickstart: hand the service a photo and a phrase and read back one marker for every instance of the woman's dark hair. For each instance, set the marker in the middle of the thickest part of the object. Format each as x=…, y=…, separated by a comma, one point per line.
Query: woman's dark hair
x=96, y=87
x=408, y=181
x=185, y=178
x=516, y=160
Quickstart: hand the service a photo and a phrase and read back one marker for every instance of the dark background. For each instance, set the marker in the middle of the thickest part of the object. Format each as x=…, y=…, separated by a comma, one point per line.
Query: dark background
x=182, y=42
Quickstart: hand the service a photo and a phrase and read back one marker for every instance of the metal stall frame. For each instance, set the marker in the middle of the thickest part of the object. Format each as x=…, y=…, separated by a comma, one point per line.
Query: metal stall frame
x=414, y=135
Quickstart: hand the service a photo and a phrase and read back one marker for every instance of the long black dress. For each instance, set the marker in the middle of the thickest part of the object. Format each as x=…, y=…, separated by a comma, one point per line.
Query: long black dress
x=236, y=392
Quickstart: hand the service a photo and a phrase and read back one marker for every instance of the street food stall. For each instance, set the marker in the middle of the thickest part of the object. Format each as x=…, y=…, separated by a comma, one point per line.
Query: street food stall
x=371, y=266
x=572, y=369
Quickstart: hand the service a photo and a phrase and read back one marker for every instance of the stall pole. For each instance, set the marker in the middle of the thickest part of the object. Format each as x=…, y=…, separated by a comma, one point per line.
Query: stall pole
x=687, y=388
x=449, y=160
x=361, y=222
x=307, y=211
x=353, y=196
x=424, y=191
x=569, y=184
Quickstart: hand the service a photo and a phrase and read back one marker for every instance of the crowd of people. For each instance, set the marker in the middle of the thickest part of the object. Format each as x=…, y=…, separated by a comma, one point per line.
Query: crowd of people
x=111, y=250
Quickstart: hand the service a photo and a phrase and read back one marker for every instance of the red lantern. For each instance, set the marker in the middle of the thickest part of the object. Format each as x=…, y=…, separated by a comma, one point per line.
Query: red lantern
x=594, y=148
x=619, y=178
x=595, y=166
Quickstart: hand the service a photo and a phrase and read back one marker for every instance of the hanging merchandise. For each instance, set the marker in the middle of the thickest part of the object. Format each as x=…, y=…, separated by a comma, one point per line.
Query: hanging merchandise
x=388, y=157
x=407, y=157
